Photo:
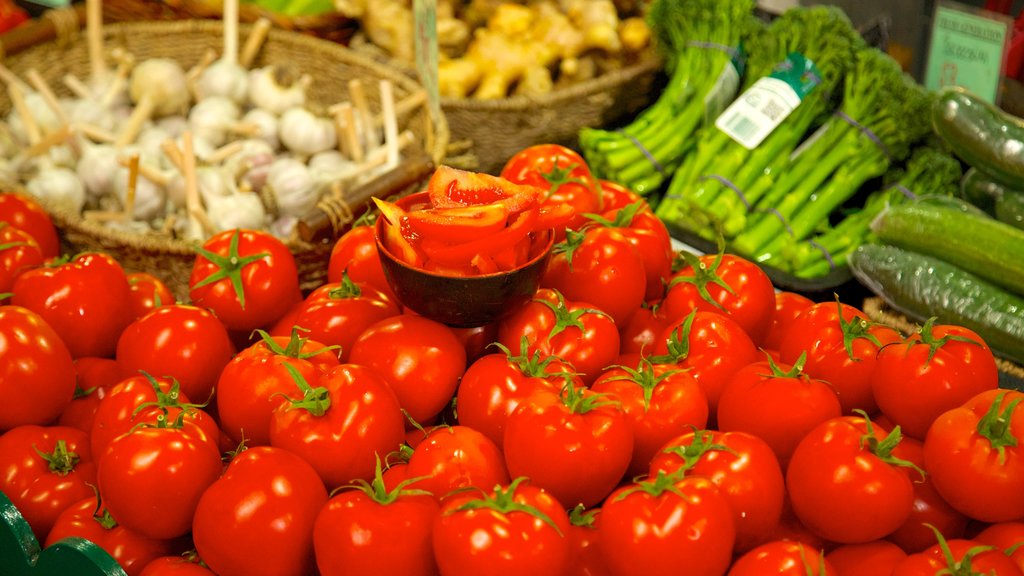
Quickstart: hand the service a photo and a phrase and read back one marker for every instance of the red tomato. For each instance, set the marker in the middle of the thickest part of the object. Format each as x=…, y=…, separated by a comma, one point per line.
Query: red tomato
x=180, y=341
x=460, y=224
x=640, y=335
x=251, y=386
x=975, y=458
x=18, y=253
x=152, y=477
x=655, y=527
x=585, y=555
x=367, y=523
x=841, y=344
x=867, y=559
x=745, y=470
x=451, y=458
x=87, y=519
x=516, y=531
x=788, y=305
x=562, y=174
x=582, y=337
x=1006, y=536
x=660, y=401
x=257, y=519
x=957, y=557
x=784, y=558
x=247, y=277
x=574, y=443
x=82, y=300
x=938, y=369
x=25, y=213
x=711, y=346
x=724, y=284
x=452, y=188
x=616, y=195
x=356, y=253
x=846, y=484
x=496, y=384
x=421, y=360
x=599, y=266
x=340, y=422
x=175, y=566
x=476, y=339
x=37, y=374
x=336, y=314
x=929, y=508
x=94, y=377
x=148, y=293
x=778, y=403
x=44, y=470
x=648, y=234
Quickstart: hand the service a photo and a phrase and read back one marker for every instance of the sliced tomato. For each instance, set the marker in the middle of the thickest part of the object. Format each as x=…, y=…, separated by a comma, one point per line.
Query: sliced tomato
x=452, y=188
x=458, y=224
x=505, y=239
x=556, y=215
x=394, y=240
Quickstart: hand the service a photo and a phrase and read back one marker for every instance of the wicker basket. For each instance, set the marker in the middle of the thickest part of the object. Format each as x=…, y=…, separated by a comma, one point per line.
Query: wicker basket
x=331, y=64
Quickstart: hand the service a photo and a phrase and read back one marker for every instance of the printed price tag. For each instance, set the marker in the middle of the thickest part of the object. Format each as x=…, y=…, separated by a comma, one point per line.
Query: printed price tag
x=967, y=49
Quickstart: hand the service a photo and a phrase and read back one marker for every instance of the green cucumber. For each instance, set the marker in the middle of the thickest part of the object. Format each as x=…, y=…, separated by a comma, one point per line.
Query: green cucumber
x=1010, y=208
x=980, y=189
x=986, y=247
x=921, y=286
x=982, y=135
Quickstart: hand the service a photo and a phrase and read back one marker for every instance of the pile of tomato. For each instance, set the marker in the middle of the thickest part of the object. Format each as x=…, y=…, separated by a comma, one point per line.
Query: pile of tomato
x=645, y=413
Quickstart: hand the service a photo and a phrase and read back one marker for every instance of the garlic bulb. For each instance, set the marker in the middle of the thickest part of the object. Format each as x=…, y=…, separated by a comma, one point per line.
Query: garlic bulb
x=174, y=125
x=237, y=210
x=89, y=113
x=305, y=133
x=150, y=198
x=148, y=145
x=277, y=88
x=332, y=165
x=59, y=188
x=293, y=187
x=62, y=156
x=224, y=79
x=211, y=118
x=161, y=82
x=267, y=123
x=97, y=167
x=44, y=116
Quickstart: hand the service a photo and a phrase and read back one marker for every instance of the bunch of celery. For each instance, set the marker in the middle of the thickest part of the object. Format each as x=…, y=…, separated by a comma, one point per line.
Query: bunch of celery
x=699, y=39
x=929, y=172
x=701, y=192
x=883, y=112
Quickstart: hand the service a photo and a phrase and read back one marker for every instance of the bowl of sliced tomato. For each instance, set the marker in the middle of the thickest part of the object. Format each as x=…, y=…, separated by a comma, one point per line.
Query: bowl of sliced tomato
x=469, y=248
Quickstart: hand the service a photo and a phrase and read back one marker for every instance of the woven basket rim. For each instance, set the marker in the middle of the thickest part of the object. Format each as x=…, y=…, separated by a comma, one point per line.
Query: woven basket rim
x=175, y=246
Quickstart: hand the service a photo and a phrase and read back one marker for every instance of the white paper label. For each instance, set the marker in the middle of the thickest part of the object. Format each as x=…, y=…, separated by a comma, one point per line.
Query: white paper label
x=755, y=114
x=722, y=93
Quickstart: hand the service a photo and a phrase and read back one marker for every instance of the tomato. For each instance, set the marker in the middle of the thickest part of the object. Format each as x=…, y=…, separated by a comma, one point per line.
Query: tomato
x=452, y=188
x=582, y=337
x=574, y=443
x=18, y=253
x=957, y=557
x=1006, y=536
x=356, y=253
x=476, y=339
x=93, y=379
x=25, y=213
x=744, y=469
x=586, y=558
x=83, y=300
x=778, y=403
x=562, y=174
x=175, y=566
x=641, y=333
x=929, y=508
x=88, y=519
x=518, y=530
x=493, y=386
x=975, y=457
x=724, y=284
x=367, y=522
x=148, y=293
x=788, y=305
x=711, y=346
x=655, y=527
x=847, y=485
x=337, y=313
x=660, y=402
x=451, y=458
x=460, y=224
x=421, y=360
x=181, y=341
x=867, y=559
x=784, y=558
x=44, y=470
x=251, y=386
x=841, y=345
x=648, y=234
x=37, y=374
x=340, y=422
x=258, y=517
x=937, y=369
x=247, y=278
x=601, y=267
x=615, y=195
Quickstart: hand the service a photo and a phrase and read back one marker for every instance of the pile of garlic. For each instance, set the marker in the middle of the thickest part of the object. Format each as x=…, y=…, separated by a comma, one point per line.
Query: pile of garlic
x=150, y=147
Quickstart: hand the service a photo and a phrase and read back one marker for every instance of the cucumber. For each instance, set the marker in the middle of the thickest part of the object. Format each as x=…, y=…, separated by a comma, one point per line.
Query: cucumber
x=921, y=286
x=981, y=190
x=986, y=247
x=981, y=134
x=1010, y=208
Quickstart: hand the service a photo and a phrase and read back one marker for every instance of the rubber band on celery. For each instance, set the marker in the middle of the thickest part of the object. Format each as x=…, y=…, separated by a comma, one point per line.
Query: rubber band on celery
x=725, y=182
x=647, y=153
x=732, y=52
x=825, y=252
x=905, y=191
x=781, y=218
x=865, y=131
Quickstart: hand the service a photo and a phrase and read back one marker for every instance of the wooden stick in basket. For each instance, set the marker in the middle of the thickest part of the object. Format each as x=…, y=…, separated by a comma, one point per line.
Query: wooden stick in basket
x=125, y=62
x=18, y=100
x=230, y=31
x=193, y=74
x=345, y=123
x=387, y=101
x=94, y=133
x=77, y=87
x=94, y=35
x=358, y=97
x=254, y=42
x=43, y=88
x=49, y=141
x=9, y=78
x=193, y=203
x=146, y=171
x=133, y=183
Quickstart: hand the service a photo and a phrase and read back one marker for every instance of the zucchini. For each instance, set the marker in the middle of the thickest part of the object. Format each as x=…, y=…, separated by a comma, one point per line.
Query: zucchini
x=1010, y=208
x=986, y=247
x=921, y=286
x=981, y=134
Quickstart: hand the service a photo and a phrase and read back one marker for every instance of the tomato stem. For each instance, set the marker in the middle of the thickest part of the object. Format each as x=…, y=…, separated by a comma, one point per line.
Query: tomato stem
x=933, y=343
x=573, y=240
x=853, y=329
x=378, y=492
x=701, y=444
x=663, y=482
x=564, y=318
x=295, y=344
x=623, y=217
x=580, y=516
x=61, y=461
x=704, y=275
x=678, y=342
x=954, y=567
x=346, y=289
x=795, y=371
x=883, y=449
x=229, y=267
x=503, y=501
x=995, y=425
x=316, y=401
x=643, y=376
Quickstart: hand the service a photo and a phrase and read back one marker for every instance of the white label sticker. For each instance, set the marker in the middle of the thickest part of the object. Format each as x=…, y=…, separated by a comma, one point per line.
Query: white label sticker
x=755, y=114
x=722, y=93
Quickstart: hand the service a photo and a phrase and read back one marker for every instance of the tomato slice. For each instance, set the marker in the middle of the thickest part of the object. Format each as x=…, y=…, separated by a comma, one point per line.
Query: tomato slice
x=452, y=188
x=503, y=240
x=394, y=240
x=458, y=224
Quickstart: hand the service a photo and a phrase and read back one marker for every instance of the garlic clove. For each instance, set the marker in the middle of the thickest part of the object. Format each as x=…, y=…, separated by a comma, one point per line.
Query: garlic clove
x=59, y=188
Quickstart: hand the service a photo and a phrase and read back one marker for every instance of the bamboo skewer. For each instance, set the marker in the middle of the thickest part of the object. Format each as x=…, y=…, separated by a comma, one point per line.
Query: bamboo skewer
x=94, y=34
x=193, y=203
x=387, y=100
x=77, y=87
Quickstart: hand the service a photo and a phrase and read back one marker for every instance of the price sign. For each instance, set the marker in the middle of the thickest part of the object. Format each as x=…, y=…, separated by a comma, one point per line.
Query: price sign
x=967, y=49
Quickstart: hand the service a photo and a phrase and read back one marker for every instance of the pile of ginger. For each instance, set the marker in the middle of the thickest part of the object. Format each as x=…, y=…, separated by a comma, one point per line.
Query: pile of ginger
x=491, y=49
